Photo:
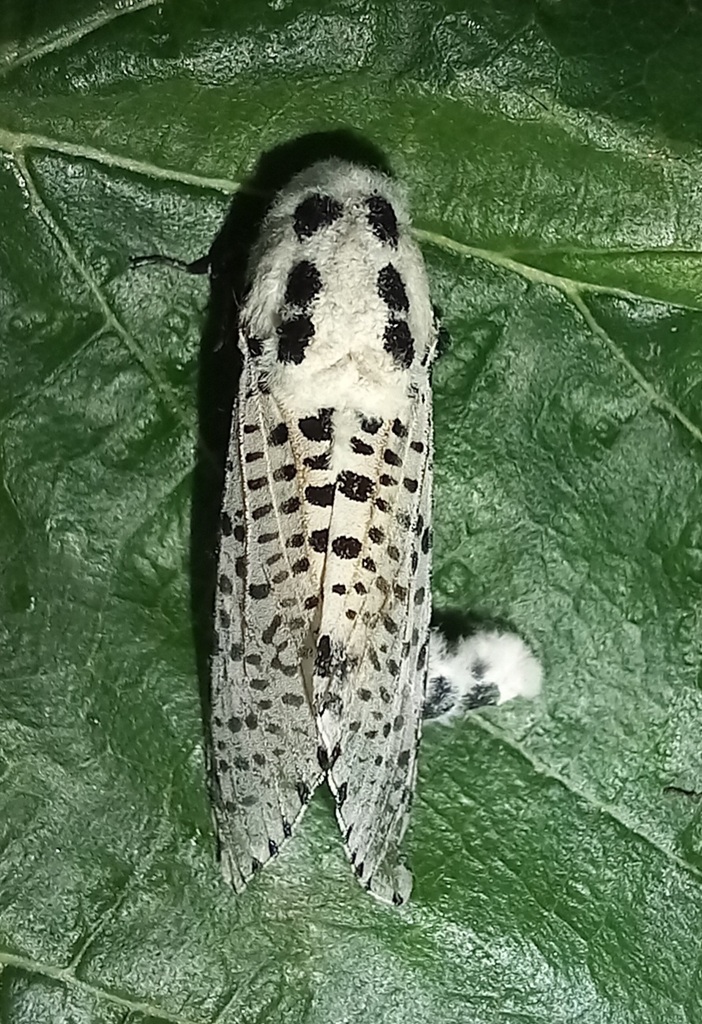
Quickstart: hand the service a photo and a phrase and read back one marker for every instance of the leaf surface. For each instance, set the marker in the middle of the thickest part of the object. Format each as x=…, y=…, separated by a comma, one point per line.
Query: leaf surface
x=552, y=155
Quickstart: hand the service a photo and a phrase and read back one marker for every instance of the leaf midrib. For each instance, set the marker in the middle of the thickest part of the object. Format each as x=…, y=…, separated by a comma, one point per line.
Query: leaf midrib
x=17, y=144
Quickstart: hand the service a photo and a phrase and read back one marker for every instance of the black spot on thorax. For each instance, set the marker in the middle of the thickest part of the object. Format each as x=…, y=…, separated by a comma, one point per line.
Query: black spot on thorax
x=315, y=212
x=293, y=338
x=398, y=342
x=391, y=289
x=304, y=283
x=382, y=220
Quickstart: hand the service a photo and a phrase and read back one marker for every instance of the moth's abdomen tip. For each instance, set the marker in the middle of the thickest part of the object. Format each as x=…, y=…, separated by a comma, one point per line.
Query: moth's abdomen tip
x=487, y=667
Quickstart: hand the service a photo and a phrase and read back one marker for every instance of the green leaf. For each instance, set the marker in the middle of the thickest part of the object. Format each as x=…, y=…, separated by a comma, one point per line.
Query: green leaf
x=552, y=154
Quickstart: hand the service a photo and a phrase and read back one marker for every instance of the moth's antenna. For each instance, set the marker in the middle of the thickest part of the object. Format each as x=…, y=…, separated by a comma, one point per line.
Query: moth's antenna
x=202, y=265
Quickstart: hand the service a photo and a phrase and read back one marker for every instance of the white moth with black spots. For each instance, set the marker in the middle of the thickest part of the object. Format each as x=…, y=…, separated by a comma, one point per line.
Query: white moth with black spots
x=323, y=599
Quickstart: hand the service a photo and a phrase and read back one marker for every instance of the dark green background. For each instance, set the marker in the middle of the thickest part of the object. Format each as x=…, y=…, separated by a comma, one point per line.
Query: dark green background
x=552, y=152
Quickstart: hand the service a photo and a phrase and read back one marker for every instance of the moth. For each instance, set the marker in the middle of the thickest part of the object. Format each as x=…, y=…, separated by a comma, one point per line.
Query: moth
x=322, y=610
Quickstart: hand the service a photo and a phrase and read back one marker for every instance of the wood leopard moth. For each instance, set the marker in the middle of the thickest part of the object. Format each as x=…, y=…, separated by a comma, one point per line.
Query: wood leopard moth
x=324, y=657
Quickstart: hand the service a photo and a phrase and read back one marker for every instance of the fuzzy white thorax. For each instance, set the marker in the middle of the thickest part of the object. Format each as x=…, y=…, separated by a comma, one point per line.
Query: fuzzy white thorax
x=347, y=359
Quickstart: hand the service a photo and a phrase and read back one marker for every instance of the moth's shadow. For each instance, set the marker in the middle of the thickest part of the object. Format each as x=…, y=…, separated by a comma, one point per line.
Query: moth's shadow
x=456, y=623
x=220, y=365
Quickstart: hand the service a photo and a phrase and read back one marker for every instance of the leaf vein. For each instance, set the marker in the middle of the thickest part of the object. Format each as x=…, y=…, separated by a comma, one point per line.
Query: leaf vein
x=67, y=978
x=654, y=396
x=567, y=285
x=64, y=38
x=608, y=810
x=16, y=142
x=43, y=214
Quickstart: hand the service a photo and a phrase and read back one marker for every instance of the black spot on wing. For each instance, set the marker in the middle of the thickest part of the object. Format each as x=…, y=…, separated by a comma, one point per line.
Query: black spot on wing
x=355, y=486
x=370, y=425
x=319, y=540
x=317, y=428
x=321, y=496
x=304, y=283
x=293, y=338
x=317, y=461
x=279, y=435
x=323, y=658
x=391, y=289
x=359, y=447
x=382, y=220
x=422, y=656
x=287, y=472
x=315, y=212
x=346, y=547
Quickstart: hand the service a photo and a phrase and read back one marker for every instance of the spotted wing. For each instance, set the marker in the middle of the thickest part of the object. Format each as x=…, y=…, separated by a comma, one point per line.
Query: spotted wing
x=263, y=729
x=371, y=660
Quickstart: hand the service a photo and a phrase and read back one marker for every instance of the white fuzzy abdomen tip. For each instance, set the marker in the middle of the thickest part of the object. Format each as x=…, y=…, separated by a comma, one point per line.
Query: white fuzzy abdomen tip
x=487, y=667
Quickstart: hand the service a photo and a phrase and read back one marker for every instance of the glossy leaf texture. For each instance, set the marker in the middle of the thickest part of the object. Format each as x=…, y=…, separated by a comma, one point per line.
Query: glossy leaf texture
x=551, y=151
